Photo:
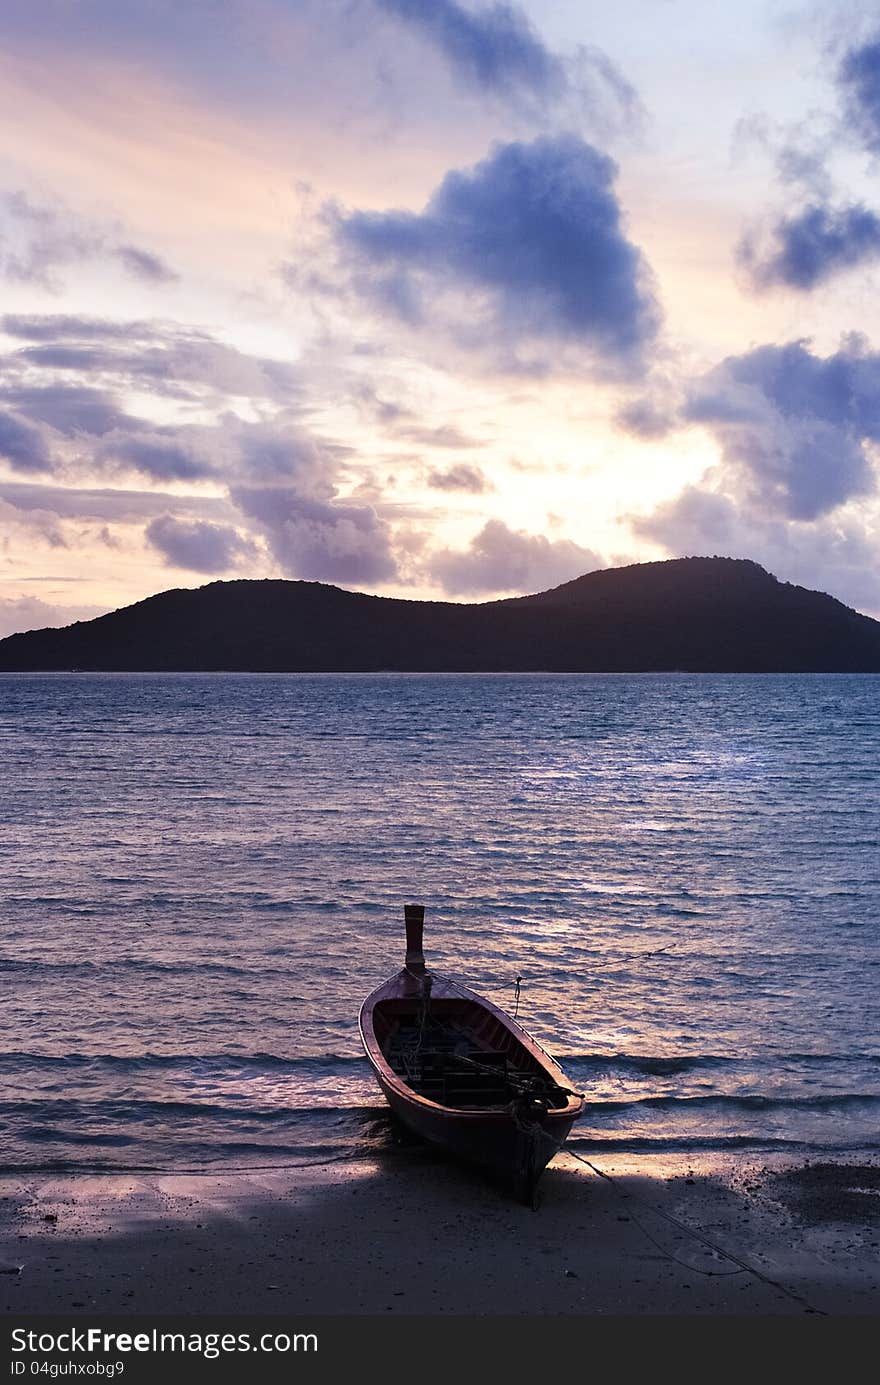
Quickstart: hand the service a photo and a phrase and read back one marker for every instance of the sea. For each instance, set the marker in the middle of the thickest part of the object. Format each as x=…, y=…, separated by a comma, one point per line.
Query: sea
x=201, y=877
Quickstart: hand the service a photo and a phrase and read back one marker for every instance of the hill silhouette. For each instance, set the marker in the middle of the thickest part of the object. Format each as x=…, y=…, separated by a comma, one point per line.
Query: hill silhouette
x=697, y=614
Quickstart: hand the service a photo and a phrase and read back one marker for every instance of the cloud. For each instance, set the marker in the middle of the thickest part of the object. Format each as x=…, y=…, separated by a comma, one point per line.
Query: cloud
x=812, y=246
x=63, y=386
x=443, y=436
x=803, y=165
x=105, y=503
x=648, y=417
x=281, y=483
x=795, y=485
x=461, y=477
x=142, y=264
x=167, y=360
x=495, y=50
x=531, y=242
x=198, y=546
x=22, y=445
x=39, y=239
x=69, y=409
x=92, y=436
x=319, y=540
x=793, y=426
x=38, y=525
x=171, y=454
x=367, y=57
x=30, y=613
x=59, y=326
x=820, y=234
x=836, y=555
x=697, y=520
x=859, y=80
x=280, y=452
x=230, y=450
x=499, y=559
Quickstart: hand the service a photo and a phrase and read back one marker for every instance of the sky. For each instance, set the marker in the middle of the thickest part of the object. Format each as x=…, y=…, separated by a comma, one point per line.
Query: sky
x=434, y=299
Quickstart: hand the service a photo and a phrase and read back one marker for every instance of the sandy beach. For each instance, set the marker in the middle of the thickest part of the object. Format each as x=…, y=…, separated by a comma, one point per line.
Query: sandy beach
x=414, y=1234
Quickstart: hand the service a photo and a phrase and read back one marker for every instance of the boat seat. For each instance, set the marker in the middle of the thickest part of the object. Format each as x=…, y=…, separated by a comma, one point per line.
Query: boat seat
x=489, y=1060
x=480, y=1096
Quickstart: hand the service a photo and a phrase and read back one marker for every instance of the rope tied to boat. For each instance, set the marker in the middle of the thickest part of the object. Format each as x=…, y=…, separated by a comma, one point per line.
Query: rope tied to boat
x=743, y=1266
x=424, y=1007
x=524, y=1083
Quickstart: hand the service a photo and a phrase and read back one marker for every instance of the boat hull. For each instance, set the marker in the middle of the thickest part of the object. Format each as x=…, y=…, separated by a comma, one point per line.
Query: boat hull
x=516, y=1140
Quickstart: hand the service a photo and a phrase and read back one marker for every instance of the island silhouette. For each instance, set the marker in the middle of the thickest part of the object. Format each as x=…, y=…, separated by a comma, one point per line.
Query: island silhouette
x=697, y=614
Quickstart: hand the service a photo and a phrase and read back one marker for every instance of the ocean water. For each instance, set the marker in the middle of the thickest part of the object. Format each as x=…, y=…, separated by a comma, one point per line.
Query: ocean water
x=202, y=876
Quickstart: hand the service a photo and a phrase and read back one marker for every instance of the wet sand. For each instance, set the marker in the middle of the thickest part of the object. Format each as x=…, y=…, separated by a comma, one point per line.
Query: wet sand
x=414, y=1234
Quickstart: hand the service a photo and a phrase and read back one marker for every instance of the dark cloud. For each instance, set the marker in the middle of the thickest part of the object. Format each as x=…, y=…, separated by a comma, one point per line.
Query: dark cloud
x=793, y=426
x=799, y=150
x=198, y=546
x=70, y=409
x=812, y=246
x=319, y=540
x=22, y=445
x=494, y=48
x=506, y=560
x=820, y=234
x=462, y=477
x=533, y=237
x=171, y=454
x=269, y=452
x=859, y=81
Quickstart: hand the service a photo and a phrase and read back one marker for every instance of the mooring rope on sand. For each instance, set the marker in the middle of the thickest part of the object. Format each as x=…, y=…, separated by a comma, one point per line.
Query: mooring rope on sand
x=358, y=1152
x=744, y=1267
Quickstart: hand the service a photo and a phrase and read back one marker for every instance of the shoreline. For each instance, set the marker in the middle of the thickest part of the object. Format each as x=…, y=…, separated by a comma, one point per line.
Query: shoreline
x=408, y=1232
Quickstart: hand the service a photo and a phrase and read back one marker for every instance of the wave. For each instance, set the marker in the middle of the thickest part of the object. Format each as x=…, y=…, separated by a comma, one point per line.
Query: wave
x=748, y=1102
x=14, y=1060
x=223, y=1159
x=131, y=1109
x=149, y=1113
x=21, y=966
x=217, y=1160
x=647, y=1065
x=695, y=1144
x=659, y=1065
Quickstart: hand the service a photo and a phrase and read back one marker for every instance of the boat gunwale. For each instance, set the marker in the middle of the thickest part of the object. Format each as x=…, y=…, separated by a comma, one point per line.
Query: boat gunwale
x=451, y=989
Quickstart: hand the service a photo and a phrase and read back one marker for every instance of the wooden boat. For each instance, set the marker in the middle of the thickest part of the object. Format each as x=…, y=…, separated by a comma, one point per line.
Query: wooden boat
x=461, y=1073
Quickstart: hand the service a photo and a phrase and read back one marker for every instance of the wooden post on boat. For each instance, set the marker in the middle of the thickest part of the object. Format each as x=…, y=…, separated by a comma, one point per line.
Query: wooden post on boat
x=414, y=914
